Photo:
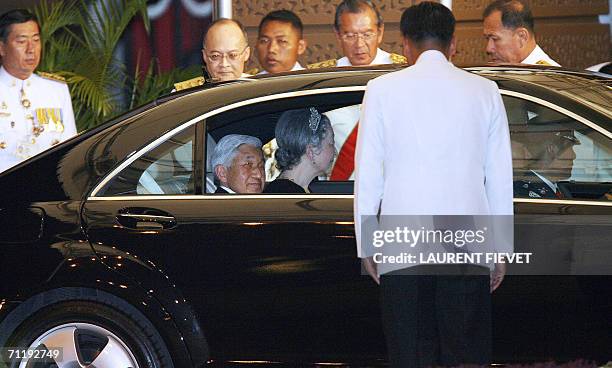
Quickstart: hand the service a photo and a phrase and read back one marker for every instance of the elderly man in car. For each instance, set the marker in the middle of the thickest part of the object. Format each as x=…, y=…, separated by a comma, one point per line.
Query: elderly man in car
x=238, y=164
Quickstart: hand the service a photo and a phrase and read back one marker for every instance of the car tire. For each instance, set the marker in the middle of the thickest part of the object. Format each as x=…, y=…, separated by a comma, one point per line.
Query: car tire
x=91, y=332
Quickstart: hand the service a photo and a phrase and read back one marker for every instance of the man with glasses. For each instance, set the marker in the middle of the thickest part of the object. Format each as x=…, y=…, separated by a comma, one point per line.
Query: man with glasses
x=359, y=29
x=280, y=42
x=225, y=51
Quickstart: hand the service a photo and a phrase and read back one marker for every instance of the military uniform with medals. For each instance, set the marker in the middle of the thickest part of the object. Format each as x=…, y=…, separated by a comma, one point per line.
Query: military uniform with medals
x=35, y=114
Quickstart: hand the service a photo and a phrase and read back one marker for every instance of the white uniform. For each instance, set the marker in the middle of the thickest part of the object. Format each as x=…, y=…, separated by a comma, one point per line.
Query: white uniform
x=539, y=57
x=35, y=114
x=382, y=57
x=344, y=120
x=297, y=66
x=442, y=136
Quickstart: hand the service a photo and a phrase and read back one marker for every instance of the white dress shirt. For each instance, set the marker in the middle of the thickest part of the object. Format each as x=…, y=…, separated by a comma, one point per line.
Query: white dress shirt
x=539, y=57
x=382, y=57
x=296, y=66
x=441, y=135
x=33, y=120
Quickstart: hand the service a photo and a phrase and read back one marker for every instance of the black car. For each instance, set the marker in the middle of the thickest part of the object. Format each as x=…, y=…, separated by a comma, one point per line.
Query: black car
x=114, y=247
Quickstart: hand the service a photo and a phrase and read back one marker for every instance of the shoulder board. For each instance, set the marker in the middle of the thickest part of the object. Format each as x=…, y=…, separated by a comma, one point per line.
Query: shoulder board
x=52, y=76
x=253, y=71
x=323, y=64
x=194, y=82
x=398, y=59
x=543, y=62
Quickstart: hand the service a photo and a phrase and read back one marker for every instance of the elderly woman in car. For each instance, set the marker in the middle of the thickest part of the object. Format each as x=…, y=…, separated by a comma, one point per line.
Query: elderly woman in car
x=305, y=150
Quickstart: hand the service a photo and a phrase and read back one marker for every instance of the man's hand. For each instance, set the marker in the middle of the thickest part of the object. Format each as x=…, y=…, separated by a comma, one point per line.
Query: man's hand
x=497, y=275
x=371, y=268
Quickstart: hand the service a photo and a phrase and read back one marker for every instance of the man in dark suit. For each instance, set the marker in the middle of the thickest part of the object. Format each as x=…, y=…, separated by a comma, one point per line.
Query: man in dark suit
x=546, y=156
x=238, y=164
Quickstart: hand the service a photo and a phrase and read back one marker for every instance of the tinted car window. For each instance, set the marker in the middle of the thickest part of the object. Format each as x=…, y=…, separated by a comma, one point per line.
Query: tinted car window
x=260, y=121
x=555, y=156
x=166, y=169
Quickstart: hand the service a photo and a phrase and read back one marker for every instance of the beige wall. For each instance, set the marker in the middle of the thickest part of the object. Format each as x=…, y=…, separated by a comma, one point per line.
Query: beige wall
x=568, y=30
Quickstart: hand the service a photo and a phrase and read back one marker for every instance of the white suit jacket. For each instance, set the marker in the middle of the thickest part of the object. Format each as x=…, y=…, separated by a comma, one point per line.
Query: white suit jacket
x=433, y=140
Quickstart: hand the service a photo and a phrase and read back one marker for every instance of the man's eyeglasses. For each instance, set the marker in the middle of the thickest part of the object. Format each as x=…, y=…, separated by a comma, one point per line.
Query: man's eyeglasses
x=216, y=57
x=353, y=37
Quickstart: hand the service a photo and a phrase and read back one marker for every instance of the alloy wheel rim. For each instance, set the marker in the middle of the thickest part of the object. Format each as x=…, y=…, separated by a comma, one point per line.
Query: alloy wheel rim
x=84, y=345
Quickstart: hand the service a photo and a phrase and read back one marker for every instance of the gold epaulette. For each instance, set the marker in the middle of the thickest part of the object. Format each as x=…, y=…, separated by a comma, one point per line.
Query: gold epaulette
x=323, y=64
x=543, y=62
x=398, y=59
x=52, y=76
x=190, y=83
x=253, y=71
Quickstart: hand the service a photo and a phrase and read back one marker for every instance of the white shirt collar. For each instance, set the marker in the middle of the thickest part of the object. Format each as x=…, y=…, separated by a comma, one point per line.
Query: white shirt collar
x=430, y=56
x=12, y=81
x=296, y=66
x=537, y=54
x=227, y=189
x=382, y=57
x=552, y=185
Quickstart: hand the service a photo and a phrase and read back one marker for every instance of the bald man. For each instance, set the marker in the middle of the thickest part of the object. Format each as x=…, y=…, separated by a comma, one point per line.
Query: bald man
x=225, y=50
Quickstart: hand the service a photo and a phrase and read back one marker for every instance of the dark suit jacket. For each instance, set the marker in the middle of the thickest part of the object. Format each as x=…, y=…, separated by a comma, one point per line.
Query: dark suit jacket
x=221, y=190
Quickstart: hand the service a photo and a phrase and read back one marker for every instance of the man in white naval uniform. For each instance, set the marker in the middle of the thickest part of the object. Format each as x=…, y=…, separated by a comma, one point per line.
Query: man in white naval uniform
x=35, y=110
x=280, y=42
x=433, y=140
x=509, y=31
x=359, y=29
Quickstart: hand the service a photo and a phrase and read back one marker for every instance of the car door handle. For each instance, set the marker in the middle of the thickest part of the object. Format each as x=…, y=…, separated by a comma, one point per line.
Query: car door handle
x=145, y=219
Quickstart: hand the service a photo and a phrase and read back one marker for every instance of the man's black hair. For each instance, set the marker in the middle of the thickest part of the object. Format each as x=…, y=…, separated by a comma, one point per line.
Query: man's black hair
x=11, y=17
x=428, y=21
x=355, y=7
x=285, y=16
x=514, y=13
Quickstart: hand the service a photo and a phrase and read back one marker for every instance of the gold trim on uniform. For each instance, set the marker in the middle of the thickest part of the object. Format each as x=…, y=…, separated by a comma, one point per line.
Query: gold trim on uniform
x=52, y=76
x=190, y=83
x=2, y=145
x=543, y=62
x=398, y=59
x=331, y=63
x=252, y=71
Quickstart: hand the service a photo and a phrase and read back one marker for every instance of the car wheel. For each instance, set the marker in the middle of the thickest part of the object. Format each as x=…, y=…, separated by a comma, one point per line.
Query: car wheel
x=90, y=335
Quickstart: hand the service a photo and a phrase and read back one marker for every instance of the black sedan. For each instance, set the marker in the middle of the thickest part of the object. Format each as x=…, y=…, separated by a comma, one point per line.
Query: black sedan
x=114, y=247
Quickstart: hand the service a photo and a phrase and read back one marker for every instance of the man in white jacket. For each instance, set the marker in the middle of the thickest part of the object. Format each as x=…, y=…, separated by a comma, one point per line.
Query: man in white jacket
x=433, y=140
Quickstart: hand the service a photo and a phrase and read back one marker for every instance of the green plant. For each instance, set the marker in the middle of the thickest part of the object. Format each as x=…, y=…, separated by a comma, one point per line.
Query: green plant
x=79, y=42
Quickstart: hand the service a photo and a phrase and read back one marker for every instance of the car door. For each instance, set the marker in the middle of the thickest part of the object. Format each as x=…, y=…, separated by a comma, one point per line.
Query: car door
x=561, y=294
x=271, y=278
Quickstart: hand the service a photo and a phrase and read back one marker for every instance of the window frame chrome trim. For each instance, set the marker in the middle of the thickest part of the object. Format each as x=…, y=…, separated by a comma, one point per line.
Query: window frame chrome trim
x=192, y=197
x=135, y=155
x=559, y=109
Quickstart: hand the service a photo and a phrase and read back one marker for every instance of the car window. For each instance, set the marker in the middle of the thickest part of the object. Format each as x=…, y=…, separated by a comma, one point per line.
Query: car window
x=260, y=121
x=556, y=156
x=165, y=169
